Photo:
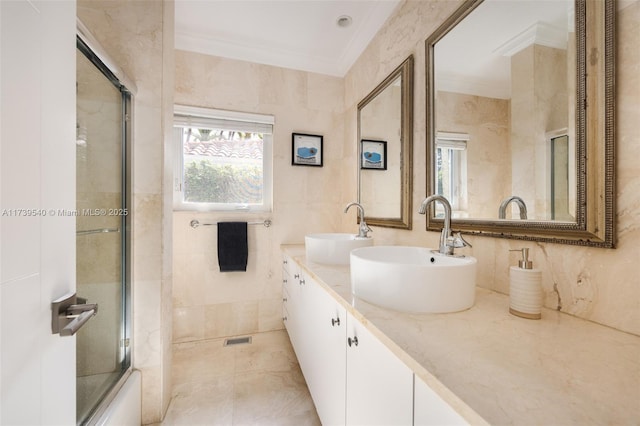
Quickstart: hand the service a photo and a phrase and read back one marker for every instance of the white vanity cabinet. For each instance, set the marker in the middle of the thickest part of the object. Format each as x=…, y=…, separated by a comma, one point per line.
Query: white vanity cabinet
x=364, y=383
x=293, y=298
x=431, y=410
x=325, y=320
x=379, y=385
x=316, y=325
x=287, y=301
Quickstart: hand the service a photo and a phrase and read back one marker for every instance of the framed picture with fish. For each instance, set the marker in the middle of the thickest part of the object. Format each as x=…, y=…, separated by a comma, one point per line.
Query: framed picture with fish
x=373, y=154
x=306, y=150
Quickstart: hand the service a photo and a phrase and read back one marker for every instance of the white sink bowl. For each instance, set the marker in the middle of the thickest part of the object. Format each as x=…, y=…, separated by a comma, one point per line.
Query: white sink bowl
x=333, y=249
x=413, y=279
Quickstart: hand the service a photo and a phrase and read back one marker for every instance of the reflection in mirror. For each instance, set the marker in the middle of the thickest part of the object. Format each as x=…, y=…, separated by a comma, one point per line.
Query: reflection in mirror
x=384, y=133
x=505, y=89
x=517, y=119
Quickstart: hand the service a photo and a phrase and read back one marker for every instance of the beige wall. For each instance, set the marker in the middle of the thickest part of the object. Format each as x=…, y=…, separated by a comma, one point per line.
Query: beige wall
x=486, y=121
x=596, y=284
x=138, y=35
x=208, y=303
x=538, y=105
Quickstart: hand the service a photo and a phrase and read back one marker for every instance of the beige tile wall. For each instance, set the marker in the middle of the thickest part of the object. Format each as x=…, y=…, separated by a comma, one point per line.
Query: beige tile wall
x=486, y=121
x=210, y=304
x=538, y=106
x=596, y=284
x=600, y=285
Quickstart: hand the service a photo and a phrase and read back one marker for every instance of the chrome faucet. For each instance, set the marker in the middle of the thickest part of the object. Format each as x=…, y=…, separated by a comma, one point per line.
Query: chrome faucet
x=364, y=228
x=448, y=242
x=502, y=211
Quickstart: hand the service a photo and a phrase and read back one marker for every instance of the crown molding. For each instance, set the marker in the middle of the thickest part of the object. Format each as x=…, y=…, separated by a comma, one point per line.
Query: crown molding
x=337, y=64
x=539, y=33
x=267, y=55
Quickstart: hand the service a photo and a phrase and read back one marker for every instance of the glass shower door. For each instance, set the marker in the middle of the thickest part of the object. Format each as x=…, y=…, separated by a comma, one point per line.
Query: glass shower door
x=102, y=232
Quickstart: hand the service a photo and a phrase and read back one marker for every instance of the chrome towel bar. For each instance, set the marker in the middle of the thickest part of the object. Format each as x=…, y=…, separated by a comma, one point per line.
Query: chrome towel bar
x=195, y=223
x=98, y=231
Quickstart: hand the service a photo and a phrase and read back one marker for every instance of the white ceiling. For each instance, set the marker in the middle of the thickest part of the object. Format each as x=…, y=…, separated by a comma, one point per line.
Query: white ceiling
x=475, y=57
x=298, y=34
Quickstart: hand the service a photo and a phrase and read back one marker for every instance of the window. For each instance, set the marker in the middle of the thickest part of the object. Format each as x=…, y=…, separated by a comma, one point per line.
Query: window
x=451, y=170
x=225, y=160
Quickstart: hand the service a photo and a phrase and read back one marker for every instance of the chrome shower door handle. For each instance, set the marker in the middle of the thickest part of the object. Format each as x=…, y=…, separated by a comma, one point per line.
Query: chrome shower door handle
x=77, y=322
x=69, y=313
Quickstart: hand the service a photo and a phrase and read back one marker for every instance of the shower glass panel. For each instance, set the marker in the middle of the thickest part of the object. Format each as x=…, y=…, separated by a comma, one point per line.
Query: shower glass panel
x=102, y=231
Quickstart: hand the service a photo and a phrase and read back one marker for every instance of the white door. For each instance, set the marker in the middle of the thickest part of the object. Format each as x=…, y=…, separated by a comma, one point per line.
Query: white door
x=37, y=254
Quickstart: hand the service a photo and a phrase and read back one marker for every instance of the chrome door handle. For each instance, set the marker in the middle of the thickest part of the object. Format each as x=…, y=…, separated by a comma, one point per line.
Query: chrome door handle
x=75, y=324
x=353, y=341
x=69, y=313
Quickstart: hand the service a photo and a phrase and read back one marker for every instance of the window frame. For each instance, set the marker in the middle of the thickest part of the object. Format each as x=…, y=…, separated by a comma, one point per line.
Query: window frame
x=183, y=115
x=457, y=145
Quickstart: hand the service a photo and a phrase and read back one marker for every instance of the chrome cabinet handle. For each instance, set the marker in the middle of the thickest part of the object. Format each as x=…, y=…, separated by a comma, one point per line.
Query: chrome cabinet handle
x=335, y=321
x=353, y=341
x=284, y=299
x=296, y=276
x=302, y=282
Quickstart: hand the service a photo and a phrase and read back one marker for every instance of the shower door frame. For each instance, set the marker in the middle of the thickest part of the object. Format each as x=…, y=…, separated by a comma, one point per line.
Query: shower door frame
x=88, y=45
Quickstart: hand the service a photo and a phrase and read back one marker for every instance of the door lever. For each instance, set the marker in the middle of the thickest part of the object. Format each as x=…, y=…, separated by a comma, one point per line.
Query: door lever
x=69, y=313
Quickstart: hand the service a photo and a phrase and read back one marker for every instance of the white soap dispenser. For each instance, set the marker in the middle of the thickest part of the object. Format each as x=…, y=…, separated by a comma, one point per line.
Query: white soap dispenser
x=525, y=288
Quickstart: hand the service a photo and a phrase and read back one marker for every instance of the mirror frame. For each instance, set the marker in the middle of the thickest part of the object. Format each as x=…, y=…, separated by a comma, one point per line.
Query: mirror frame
x=595, y=144
x=404, y=70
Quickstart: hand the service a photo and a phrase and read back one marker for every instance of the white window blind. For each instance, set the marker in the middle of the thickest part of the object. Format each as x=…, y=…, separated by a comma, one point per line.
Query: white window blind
x=224, y=120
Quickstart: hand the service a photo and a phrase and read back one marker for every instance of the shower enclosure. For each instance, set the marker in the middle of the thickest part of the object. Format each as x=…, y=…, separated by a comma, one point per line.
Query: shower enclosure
x=103, y=353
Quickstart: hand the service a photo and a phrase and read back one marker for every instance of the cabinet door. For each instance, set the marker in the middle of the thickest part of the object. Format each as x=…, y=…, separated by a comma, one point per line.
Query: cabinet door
x=430, y=409
x=379, y=385
x=327, y=362
x=293, y=286
x=287, y=301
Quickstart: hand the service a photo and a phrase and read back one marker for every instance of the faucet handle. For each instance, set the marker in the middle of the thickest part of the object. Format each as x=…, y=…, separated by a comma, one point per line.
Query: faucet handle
x=363, y=230
x=458, y=241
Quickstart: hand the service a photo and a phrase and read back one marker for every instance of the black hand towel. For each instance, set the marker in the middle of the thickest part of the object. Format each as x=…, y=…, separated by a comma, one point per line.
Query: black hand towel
x=232, y=246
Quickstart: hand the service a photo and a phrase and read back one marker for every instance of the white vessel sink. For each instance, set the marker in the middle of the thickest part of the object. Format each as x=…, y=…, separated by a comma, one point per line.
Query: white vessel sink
x=413, y=279
x=333, y=249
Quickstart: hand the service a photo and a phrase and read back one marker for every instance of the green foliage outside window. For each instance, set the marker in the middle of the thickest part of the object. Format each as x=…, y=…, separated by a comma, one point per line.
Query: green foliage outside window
x=207, y=182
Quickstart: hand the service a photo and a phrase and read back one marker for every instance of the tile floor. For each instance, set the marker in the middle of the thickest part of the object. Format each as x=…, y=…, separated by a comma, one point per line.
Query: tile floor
x=247, y=384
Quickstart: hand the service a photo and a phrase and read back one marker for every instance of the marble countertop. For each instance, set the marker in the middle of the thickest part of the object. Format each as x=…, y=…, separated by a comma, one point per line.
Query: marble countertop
x=494, y=367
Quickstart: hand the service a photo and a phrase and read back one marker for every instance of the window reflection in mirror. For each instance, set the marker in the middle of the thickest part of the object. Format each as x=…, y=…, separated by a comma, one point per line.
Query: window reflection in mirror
x=507, y=85
x=451, y=172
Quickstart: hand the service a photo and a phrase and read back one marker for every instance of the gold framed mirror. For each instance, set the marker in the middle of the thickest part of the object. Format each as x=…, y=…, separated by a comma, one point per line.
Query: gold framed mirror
x=526, y=150
x=385, y=147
